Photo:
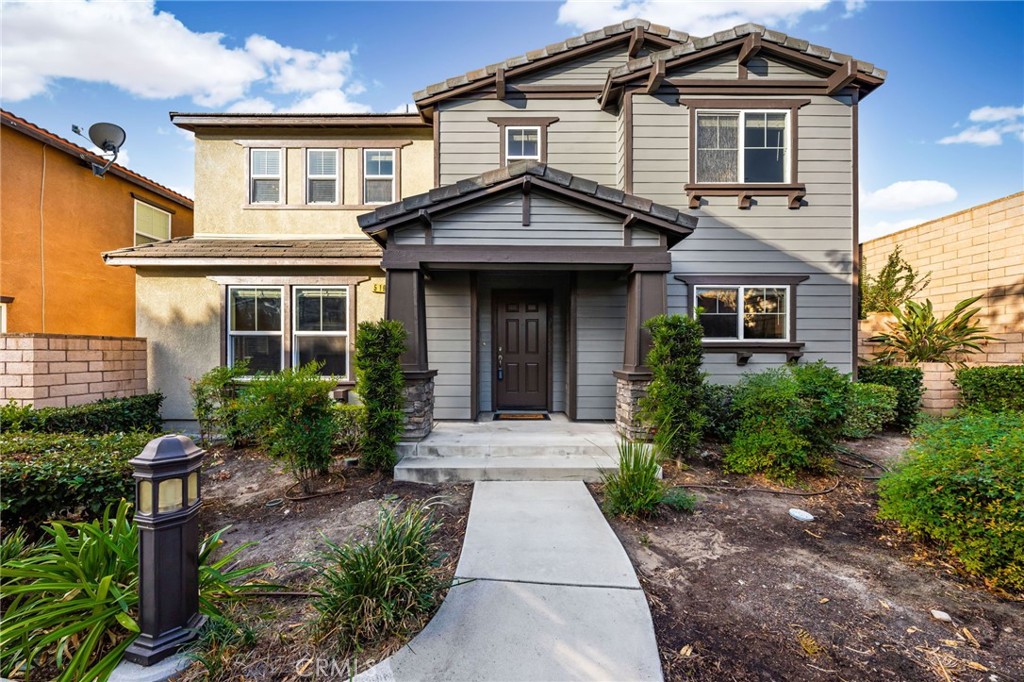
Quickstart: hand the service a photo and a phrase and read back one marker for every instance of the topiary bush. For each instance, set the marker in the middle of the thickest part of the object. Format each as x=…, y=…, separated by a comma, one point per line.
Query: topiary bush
x=908, y=384
x=135, y=413
x=381, y=388
x=216, y=403
x=960, y=486
x=872, y=407
x=992, y=388
x=675, y=397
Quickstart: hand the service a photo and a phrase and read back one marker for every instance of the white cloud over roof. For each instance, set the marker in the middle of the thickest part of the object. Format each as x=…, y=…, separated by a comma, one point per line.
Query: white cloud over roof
x=695, y=18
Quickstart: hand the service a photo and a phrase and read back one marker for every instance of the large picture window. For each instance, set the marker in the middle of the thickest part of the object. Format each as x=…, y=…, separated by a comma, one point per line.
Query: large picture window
x=255, y=329
x=746, y=312
x=265, y=176
x=742, y=146
x=320, y=328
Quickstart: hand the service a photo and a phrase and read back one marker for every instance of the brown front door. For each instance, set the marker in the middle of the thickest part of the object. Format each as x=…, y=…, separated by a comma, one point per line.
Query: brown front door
x=521, y=359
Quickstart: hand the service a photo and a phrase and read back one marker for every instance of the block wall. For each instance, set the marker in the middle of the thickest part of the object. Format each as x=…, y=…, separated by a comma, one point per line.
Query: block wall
x=58, y=370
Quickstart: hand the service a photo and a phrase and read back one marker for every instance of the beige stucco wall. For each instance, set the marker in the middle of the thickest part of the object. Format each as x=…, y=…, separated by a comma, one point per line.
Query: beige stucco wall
x=222, y=179
x=179, y=312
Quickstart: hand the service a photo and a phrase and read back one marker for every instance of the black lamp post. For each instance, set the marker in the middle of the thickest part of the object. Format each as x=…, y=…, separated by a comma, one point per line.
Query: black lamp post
x=166, y=512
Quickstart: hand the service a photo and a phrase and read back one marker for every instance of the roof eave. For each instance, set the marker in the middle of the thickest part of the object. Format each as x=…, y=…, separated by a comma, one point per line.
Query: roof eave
x=112, y=258
x=195, y=122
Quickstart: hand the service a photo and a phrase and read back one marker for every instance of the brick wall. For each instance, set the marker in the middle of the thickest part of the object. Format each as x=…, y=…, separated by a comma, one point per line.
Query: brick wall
x=57, y=370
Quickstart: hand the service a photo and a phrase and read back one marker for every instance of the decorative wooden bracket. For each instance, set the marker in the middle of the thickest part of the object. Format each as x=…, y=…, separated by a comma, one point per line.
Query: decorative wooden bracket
x=527, y=186
x=627, y=229
x=743, y=357
x=751, y=47
x=656, y=77
x=636, y=42
x=794, y=356
x=499, y=83
x=428, y=225
x=744, y=194
x=843, y=76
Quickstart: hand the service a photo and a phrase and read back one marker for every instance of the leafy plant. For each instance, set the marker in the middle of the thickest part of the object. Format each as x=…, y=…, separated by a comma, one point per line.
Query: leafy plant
x=719, y=414
x=348, y=428
x=908, y=384
x=381, y=387
x=135, y=413
x=216, y=404
x=917, y=335
x=675, y=397
x=634, y=489
x=72, y=600
x=896, y=283
x=960, y=486
x=995, y=388
x=292, y=415
x=679, y=500
x=48, y=476
x=825, y=395
x=373, y=590
x=872, y=407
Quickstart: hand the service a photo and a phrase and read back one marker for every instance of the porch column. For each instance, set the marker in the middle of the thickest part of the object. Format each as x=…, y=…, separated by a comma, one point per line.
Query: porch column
x=645, y=298
x=405, y=301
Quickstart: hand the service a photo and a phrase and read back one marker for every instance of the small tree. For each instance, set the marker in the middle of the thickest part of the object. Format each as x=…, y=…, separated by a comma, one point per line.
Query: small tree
x=896, y=283
x=215, y=402
x=674, y=400
x=381, y=387
x=917, y=335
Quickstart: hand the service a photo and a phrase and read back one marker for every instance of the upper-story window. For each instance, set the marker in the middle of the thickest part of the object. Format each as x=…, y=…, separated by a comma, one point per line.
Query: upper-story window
x=522, y=143
x=265, y=186
x=321, y=176
x=151, y=224
x=378, y=176
x=742, y=146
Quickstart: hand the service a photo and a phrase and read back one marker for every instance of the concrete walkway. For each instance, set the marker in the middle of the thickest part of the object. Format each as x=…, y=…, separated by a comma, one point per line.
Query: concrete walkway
x=544, y=592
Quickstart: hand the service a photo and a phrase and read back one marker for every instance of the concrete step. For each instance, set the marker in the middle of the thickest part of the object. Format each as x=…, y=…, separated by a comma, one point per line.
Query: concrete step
x=505, y=467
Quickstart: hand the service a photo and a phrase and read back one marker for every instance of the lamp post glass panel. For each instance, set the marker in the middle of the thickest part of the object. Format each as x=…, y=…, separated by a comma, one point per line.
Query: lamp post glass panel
x=168, y=501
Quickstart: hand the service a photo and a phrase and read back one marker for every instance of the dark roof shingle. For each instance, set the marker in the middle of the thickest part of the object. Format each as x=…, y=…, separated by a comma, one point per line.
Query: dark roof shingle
x=250, y=249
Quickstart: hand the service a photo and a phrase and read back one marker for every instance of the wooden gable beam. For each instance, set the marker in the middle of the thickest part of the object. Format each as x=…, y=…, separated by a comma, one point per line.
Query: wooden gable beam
x=656, y=77
x=751, y=46
x=846, y=74
x=499, y=83
x=636, y=41
x=527, y=185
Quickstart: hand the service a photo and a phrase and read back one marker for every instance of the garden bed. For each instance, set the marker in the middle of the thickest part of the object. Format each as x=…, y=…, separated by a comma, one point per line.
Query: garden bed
x=238, y=485
x=742, y=591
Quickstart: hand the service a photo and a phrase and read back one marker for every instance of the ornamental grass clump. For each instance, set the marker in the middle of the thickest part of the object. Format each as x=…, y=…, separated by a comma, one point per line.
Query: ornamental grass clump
x=373, y=590
x=635, y=488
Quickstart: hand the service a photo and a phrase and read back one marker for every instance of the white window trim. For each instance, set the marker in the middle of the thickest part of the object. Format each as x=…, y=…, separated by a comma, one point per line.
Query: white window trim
x=336, y=177
x=295, y=326
x=741, y=166
x=741, y=294
x=508, y=134
x=279, y=177
x=3, y=318
x=135, y=213
x=230, y=333
x=391, y=177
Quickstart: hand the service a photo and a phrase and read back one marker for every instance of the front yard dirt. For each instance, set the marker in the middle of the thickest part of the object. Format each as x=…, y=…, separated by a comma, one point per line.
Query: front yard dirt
x=740, y=590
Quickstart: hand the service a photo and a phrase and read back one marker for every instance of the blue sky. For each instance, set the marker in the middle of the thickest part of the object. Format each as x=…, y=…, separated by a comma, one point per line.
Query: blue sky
x=944, y=133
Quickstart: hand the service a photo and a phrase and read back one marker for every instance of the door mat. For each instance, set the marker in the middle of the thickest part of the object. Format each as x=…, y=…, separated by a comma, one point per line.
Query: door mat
x=520, y=416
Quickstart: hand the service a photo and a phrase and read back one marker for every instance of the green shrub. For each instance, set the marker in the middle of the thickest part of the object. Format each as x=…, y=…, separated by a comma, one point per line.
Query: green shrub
x=216, y=403
x=719, y=414
x=872, y=407
x=634, y=489
x=48, y=476
x=908, y=384
x=788, y=420
x=73, y=599
x=917, y=335
x=348, y=428
x=960, y=486
x=292, y=414
x=673, y=404
x=381, y=387
x=994, y=389
x=136, y=413
x=370, y=591
x=895, y=284
x=679, y=500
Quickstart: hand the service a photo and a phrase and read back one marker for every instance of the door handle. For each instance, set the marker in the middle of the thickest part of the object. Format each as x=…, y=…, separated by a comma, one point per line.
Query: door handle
x=501, y=369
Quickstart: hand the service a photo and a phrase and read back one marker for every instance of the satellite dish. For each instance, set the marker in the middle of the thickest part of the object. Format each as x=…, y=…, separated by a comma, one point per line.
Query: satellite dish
x=108, y=137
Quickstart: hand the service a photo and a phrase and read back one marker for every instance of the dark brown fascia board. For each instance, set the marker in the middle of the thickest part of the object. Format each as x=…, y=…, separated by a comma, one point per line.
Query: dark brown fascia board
x=6, y=299
x=647, y=259
x=137, y=261
x=192, y=122
x=742, y=279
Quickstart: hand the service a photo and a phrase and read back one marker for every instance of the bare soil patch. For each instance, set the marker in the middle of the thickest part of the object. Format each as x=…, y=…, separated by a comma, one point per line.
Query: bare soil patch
x=740, y=590
x=247, y=491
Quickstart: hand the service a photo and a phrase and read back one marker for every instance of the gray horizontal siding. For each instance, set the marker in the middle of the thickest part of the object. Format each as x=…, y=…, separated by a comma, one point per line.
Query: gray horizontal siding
x=448, y=343
x=592, y=70
x=761, y=68
x=600, y=342
x=722, y=67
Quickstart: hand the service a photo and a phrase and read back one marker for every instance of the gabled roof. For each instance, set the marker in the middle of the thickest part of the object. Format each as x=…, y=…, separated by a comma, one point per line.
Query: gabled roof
x=232, y=251
x=9, y=120
x=639, y=32
x=525, y=176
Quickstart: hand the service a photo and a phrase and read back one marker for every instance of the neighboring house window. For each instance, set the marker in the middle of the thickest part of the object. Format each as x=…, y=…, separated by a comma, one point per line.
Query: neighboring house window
x=378, y=176
x=322, y=176
x=3, y=318
x=744, y=312
x=151, y=224
x=522, y=143
x=265, y=176
x=320, y=329
x=255, y=327
x=742, y=146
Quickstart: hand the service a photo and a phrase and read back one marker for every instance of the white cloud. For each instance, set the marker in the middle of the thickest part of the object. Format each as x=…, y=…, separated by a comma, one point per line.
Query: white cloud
x=122, y=156
x=254, y=105
x=908, y=194
x=983, y=137
x=884, y=227
x=325, y=102
x=854, y=6
x=988, y=114
x=408, y=108
x=1000, y=121
x=695, y=18
x=152, y=55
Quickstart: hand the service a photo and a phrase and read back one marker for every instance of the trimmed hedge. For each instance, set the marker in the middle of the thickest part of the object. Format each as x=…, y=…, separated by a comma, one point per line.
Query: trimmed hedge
x=992, y=388
x=136, y=413
x=51, y=476
x=381, y=388
x=676, y=393
x=908, y=384
x=960, y=486
x=871, y=408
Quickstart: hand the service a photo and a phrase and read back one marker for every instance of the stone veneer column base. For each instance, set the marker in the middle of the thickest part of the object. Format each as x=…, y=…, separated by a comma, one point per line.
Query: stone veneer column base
x=630, y=387
x=419, y=405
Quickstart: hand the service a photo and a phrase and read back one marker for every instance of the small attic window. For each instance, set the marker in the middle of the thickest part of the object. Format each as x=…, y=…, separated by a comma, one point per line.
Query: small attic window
x=522, y=143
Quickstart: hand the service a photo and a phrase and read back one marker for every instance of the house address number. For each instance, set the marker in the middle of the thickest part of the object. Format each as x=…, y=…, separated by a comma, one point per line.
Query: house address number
x=379, y=287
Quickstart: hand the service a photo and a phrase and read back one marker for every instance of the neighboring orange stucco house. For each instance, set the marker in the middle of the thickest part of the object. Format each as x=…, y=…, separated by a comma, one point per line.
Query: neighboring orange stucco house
x=56, y=218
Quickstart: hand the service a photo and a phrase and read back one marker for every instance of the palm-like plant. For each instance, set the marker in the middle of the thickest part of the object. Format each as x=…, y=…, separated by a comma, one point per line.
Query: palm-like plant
x=918, y=335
